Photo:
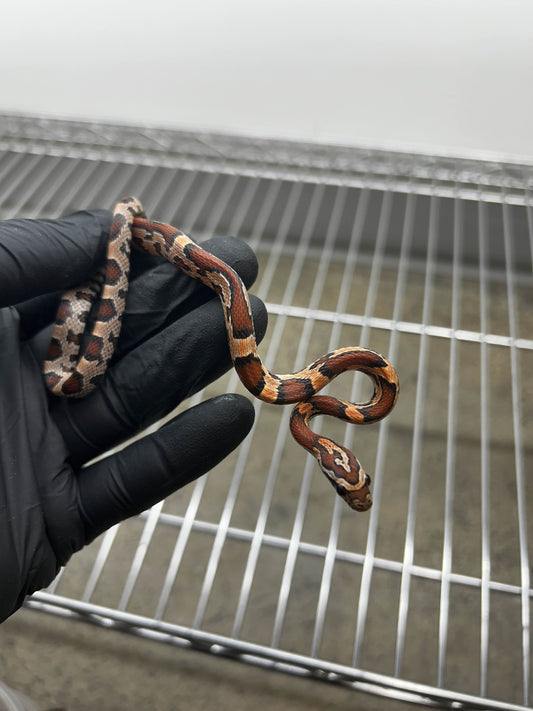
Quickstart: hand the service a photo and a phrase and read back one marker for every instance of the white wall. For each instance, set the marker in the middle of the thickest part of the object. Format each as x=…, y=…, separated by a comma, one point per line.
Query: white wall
x=455, y=76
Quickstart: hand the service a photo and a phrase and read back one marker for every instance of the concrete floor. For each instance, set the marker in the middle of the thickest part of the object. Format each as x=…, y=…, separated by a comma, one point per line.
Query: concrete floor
x=62, y=663
x=73, y=666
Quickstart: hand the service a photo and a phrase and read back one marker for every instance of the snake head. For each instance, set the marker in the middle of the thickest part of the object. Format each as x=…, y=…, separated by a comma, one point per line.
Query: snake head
x=343, y=470
x=360, y=499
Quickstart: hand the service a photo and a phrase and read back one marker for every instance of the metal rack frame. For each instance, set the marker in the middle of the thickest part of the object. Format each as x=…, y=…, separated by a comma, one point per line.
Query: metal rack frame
x=361, y=209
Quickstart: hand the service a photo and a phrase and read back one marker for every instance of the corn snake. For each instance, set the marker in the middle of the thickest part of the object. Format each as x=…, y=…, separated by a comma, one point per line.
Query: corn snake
x=77, y=360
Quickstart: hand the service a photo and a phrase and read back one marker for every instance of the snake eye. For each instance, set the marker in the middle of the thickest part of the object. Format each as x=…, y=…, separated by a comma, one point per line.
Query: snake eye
x=341, y=490
x=368, y=480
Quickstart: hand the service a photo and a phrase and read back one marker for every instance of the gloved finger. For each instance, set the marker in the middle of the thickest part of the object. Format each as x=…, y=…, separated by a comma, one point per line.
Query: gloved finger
x=150, y=381
x=42, y=256
x=150, y=469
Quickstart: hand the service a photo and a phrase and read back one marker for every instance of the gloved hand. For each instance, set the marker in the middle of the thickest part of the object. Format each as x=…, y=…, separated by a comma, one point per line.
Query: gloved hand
x=173, y=343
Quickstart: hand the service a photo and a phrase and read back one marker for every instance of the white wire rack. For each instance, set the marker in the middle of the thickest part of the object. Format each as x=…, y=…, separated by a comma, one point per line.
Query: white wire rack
x=429, y=260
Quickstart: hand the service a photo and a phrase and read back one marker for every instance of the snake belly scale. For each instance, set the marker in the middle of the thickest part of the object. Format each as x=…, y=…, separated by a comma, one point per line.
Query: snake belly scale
x=76, y=360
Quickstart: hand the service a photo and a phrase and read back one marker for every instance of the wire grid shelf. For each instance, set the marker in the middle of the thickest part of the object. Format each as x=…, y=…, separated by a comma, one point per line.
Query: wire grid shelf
x=428, y=260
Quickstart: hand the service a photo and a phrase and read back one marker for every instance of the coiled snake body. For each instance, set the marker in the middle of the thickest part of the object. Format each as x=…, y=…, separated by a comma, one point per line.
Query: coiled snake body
x=76, y=360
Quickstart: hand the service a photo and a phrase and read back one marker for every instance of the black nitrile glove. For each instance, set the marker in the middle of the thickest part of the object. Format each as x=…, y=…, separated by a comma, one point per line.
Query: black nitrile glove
x=173, y=343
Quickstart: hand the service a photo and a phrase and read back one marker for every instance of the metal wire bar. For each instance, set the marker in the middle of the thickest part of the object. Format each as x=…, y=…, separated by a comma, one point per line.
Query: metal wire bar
x=401, y=326
x=175, y=190
x=519, y=457
x=9, y=159
x=281, y=660
x=417, y=442
x=485, y=454
x=331, y=550
x=66, y=170
x=38, y=177
x=140, y=553
x=96, y=571
x=311, y=549
x=179, y=548
x=443, y=267
x=28, y=168
x=66, y=195
x=225, y=196
x=264, y=215
x=369, y=559
x=239, y=213
x=198, y=200
x=529, y=213
x=449, y=498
